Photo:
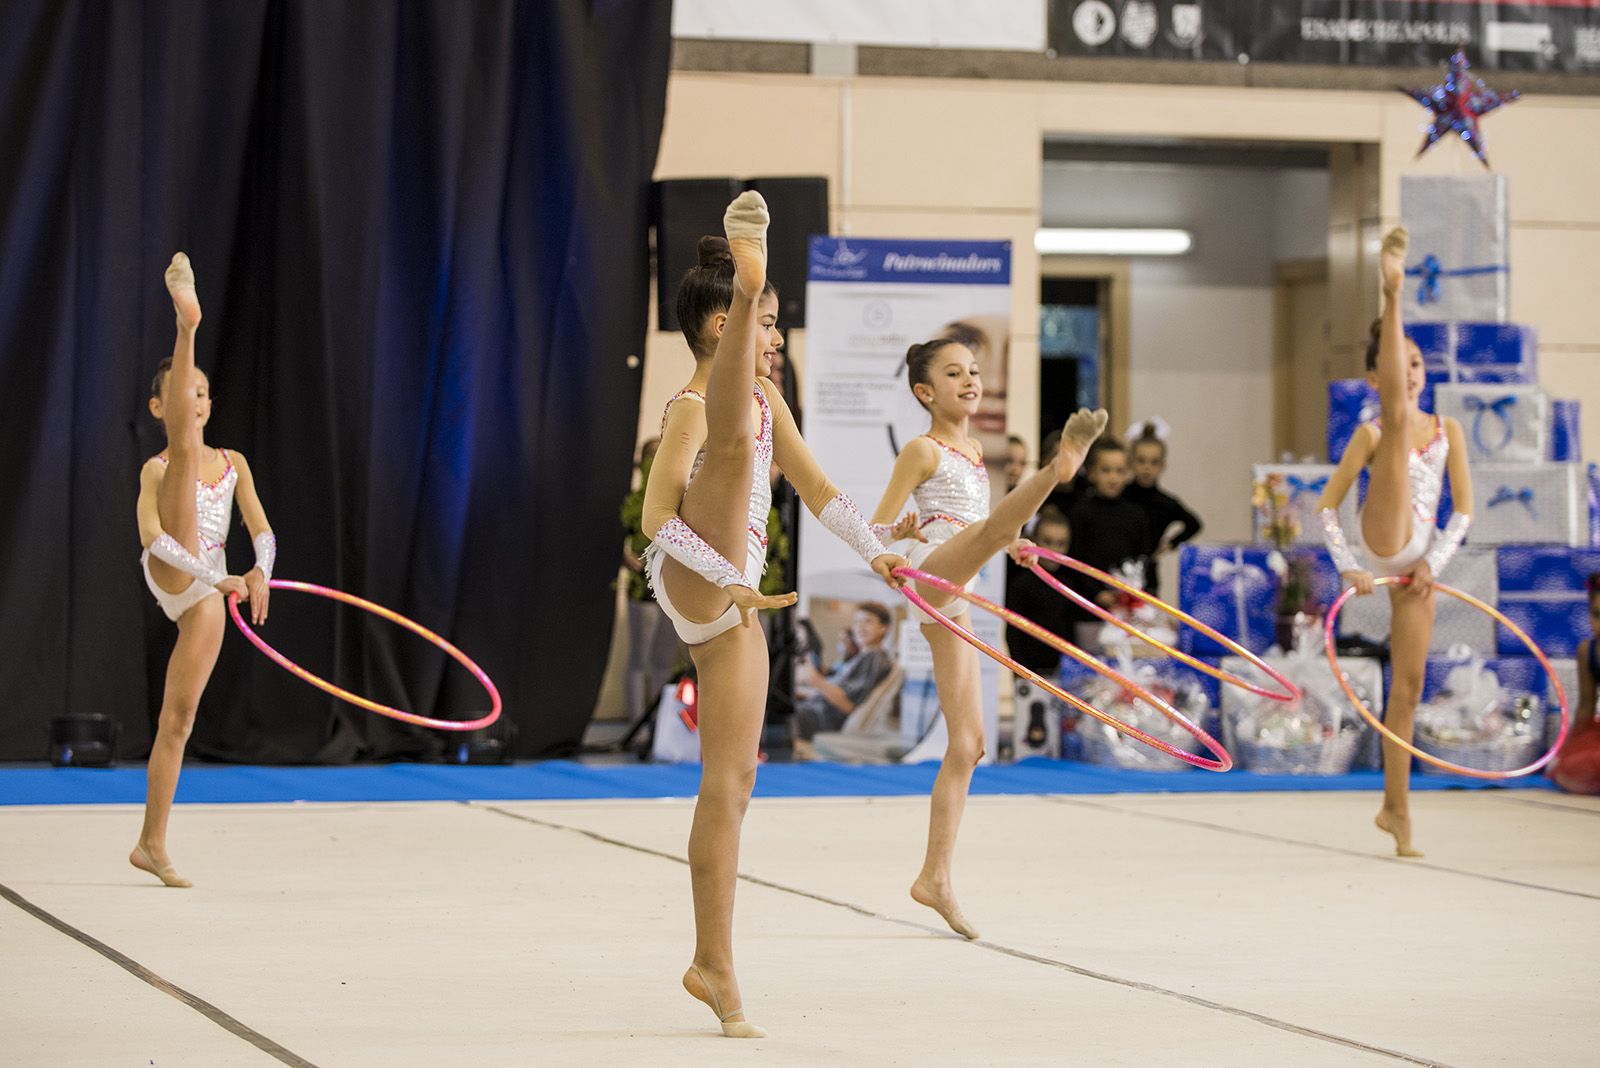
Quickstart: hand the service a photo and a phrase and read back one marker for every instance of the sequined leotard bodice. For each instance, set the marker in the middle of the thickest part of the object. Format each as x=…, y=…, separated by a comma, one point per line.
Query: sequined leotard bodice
x=1427, y=467
x=213, y=504
x=955, y=496
x=760, y=477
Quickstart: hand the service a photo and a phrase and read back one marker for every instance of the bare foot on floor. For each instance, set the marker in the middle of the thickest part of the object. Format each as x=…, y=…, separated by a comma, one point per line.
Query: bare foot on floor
x=161, y=868
x=944, y=903
x=734, y=1025
x=1400, y=827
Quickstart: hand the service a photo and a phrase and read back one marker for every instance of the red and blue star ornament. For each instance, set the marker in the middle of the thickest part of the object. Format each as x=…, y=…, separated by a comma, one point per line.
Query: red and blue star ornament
x=1457, y=104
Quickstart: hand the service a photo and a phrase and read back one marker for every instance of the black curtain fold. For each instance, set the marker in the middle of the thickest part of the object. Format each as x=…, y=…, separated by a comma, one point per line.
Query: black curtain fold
x=420, y=238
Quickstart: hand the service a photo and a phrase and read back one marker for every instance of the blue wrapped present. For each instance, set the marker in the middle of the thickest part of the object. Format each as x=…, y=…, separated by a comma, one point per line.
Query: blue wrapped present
x=1545, y=568
x=1458, y=263
x=1556, y=621
x=1566, y=441
x=1478, y=352
x=1234, y=589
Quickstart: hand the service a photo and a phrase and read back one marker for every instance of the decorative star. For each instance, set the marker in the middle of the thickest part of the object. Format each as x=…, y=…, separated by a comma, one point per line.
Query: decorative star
x=1457, y=104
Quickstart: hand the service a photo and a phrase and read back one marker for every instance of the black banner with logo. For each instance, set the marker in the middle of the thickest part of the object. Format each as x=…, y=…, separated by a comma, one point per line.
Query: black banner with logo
x=1556, y=35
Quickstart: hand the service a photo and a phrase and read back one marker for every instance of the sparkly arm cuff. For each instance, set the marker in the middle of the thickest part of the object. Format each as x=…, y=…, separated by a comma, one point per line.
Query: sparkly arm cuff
x=1343, y=559
x=691, y=550
x=1448, y=541
x=845, y=521
x=167, y=549
x=266, y=544
x=881, y=531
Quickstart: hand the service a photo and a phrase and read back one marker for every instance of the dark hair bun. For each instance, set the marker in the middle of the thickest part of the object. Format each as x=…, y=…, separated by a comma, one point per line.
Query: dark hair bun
x=1149, y=433
x=913, y=352
x=714, y=250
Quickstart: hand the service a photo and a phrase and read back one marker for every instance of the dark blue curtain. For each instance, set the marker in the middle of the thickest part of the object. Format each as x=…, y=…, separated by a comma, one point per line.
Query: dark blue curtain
x=419, y=231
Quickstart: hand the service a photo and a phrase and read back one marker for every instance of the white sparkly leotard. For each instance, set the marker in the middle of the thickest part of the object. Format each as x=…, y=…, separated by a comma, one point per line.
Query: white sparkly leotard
x=948, y=501
x=213, y=505
x=755, y=562
x=1427, y=468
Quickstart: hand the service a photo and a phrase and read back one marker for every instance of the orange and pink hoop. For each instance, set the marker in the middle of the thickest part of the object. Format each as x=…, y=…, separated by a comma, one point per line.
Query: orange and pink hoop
x=1494, y=614
x=1220, y=760
x=355, y=698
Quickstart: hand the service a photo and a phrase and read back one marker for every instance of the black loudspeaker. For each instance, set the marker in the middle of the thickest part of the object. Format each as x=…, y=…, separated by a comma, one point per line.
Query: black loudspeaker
x=83, y=741
x=683, y=210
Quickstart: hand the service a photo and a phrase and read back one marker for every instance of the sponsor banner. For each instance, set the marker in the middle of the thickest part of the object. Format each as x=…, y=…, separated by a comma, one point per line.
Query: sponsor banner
x=1557, y=35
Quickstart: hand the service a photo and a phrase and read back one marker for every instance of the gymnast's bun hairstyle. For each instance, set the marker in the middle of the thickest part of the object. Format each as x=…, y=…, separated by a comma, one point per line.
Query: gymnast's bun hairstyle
x=706, y=290
x=1372, y=344
x=919, y=360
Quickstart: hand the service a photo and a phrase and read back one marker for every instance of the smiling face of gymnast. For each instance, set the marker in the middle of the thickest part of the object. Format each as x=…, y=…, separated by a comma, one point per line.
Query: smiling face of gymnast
x=946, y=380
x=704, y=297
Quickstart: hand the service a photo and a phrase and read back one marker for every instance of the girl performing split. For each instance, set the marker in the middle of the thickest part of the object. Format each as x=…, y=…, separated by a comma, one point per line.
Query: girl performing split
x=705, y=506
x=1406, y=453
x=955, y=537
x=185, y=507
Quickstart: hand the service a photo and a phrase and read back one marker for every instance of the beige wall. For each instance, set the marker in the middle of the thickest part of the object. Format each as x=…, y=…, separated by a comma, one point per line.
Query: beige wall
x=926, y=158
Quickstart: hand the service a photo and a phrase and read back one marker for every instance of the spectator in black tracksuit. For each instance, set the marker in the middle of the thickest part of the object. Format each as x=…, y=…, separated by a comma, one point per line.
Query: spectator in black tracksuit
x=1027, y=595
x=1162, y=510
x=1107, y=529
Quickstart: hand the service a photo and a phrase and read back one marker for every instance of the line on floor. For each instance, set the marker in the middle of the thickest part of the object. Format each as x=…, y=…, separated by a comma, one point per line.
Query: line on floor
x=994, y=947
x=139, y=971
x=1405, y=862
x=1578, y=809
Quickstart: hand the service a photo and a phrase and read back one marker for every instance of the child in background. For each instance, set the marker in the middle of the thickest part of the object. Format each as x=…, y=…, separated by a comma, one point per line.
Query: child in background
x=1161, y=509
x=1577, y=768
x=1016, y=462
x=1108, y=530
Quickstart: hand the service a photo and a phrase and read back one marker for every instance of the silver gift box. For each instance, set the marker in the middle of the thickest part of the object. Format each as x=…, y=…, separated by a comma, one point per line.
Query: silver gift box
x=1537, y=504
x=1458, y=264
x=1471, y=570
x=1502, y=424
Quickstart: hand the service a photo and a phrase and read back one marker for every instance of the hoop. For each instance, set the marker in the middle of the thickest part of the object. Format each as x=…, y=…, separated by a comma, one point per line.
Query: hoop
x=355, y=698
x=1291, y=691
x=1494, y=614
x=1223, y=760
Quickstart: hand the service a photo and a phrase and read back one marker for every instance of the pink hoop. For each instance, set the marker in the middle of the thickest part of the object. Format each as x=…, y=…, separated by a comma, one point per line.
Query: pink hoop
x=1291, y=691
x=1224, y=760
x=355, y=698
x=1377, y=724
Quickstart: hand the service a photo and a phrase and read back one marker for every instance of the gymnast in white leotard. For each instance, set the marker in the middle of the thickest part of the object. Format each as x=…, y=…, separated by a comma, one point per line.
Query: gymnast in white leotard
x=1406, y=453
x=185, y=508
x=953, y=537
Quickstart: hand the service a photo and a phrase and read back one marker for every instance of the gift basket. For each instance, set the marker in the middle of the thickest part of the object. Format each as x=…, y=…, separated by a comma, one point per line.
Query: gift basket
x=1317, y=734
x=1477, y=722
x=1102, y=744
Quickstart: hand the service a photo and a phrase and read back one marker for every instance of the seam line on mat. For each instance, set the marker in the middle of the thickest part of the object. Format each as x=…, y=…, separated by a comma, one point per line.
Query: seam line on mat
x=1574, y=809
x=139, y=971
x=1404, y=862
x=993, y=947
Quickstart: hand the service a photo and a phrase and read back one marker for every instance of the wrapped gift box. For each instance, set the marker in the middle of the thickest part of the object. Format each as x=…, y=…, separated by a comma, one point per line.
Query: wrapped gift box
x=1351, y=402
x=1531, y=503
x=1543, y=589
x=1457, y=266
x=1521, y=569
x=1303, y=484
x=1502, y=424
x=1234, y=588
x=1566, y=440
x=1477, y=352
x=1455, y=622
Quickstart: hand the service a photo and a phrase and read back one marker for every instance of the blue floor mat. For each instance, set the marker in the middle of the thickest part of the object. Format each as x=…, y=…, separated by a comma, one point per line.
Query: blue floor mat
x=561, y=780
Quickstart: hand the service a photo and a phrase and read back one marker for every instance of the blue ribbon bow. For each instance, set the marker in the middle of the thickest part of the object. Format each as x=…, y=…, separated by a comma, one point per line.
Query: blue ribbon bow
x=1430, y=270
x=1501, y=407
x=1299, y=486
x=1507, y=495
